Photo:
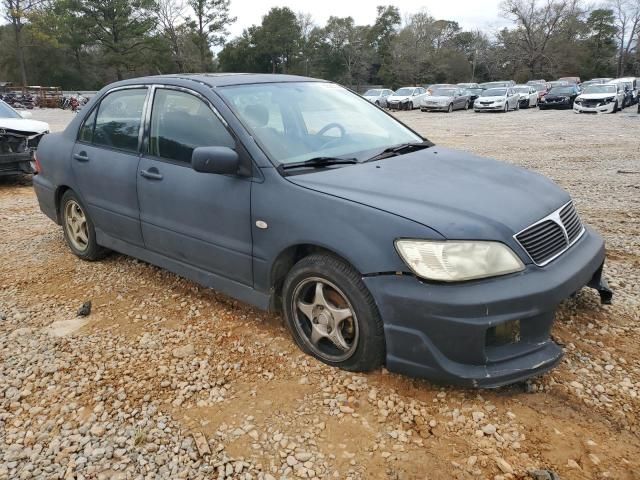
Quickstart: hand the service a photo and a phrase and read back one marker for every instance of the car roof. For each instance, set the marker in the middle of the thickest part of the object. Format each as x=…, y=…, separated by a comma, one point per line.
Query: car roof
x=222, y=79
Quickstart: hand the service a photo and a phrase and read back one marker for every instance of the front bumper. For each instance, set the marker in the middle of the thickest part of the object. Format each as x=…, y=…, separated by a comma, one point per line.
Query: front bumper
x=434, y=108
x=440, y=331
x=16, y=163
x=558, y=105
x=488, y=108
x=601, y=108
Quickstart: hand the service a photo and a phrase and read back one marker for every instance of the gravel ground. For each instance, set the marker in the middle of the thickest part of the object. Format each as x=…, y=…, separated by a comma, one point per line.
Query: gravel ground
x=165, y=379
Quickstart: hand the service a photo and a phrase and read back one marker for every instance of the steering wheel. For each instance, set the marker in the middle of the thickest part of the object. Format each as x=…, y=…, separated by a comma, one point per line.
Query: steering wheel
x=330, y=141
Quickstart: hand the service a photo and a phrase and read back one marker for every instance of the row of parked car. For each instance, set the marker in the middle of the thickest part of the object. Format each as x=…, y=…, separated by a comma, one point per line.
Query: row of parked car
x=600, y=95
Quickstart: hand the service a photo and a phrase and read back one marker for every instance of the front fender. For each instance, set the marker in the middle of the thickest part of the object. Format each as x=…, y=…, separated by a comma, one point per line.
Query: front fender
x=295, y=215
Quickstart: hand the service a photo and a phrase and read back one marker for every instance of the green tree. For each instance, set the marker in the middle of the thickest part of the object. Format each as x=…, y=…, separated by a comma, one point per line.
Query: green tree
x=279, y=38
x=121, y=28
x=210, y=27
x=600, y=43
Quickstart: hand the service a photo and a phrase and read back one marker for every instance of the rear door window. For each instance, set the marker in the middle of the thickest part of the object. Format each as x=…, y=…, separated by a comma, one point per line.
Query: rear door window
x=119, y=118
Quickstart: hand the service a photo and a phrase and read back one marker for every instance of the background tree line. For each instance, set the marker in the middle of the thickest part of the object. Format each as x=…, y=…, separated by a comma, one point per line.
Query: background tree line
x=84, y=44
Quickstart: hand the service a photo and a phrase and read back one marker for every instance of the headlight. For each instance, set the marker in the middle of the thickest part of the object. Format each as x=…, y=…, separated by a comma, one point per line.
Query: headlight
x=455, y=261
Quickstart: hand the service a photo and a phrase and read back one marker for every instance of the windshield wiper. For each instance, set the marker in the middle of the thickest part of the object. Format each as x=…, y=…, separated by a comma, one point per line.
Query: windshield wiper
x=400, y=150
x=317, y=162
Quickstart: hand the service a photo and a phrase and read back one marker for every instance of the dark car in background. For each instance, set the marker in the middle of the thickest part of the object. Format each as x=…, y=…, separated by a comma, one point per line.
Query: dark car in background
x=473, y=94
x=560, y=97
x=298, y=195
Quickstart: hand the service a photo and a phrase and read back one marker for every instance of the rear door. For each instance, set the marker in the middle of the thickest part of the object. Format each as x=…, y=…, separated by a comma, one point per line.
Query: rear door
x=105, y=162
x=200, y=219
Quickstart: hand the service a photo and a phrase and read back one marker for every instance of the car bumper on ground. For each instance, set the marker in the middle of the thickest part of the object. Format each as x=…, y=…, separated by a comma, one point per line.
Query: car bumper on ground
x=453, y=333
x=599, y=108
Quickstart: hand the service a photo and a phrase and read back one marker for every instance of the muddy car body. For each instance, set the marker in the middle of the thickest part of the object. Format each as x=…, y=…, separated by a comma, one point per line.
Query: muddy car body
x=298, y=195
x=19, y=137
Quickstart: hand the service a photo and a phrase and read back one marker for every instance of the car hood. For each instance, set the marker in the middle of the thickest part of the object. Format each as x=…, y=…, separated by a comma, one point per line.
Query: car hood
x=461, y=196
x=438, y=98
x=491, y=99
x=392, y=98
x=524, y=95
x=557, y=96
x=24, y=125
x=596, y=96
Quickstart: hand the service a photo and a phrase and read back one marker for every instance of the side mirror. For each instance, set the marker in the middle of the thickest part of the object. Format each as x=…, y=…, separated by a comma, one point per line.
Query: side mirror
x=26, y=114
x=220, y=160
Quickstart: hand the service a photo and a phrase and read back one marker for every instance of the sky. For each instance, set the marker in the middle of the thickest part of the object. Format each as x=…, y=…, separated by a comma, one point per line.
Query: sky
x=470, y=14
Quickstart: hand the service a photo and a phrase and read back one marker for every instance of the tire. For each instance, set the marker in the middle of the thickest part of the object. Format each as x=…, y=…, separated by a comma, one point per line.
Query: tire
x=410, y=106
x=517, y=106
x=466, y=106
x=615, y=107
x=506, y=107
x=342, y=291
x=83, y=242
x=450, y=109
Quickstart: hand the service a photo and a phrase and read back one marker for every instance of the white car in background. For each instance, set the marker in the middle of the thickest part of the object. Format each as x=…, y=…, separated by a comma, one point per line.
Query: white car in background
x=406, y=98
x=501, y=99
x=378, y=96
x=607, y=98
x=19, y=138
x=528, y=95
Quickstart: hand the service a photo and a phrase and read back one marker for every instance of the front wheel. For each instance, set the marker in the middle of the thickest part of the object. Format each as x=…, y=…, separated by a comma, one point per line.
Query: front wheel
x=79, y=232
x=410, y=107
x=450, y=109
x=331, y=314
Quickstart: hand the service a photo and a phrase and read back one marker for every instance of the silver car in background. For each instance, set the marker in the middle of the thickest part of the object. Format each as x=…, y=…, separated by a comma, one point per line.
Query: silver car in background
x=378, y=96
x=445, y=100
x=528, y=95
x=500, y=99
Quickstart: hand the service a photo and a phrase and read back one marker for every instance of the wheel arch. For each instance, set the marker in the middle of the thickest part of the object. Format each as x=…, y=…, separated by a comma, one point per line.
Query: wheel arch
x=60, y=191
x=285, y=261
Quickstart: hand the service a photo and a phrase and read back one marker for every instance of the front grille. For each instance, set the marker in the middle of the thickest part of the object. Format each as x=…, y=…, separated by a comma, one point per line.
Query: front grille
x=571, y=221
x=548, y=238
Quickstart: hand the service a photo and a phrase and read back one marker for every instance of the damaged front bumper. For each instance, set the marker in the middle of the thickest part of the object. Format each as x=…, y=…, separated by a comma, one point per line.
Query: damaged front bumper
x=484, y=333
x=17, y=151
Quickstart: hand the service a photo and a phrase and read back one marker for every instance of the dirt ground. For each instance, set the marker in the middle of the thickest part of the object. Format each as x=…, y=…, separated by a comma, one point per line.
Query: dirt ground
x=166, y=379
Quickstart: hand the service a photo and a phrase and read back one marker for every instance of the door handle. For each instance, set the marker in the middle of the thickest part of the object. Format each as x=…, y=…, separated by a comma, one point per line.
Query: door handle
x=151, y=174
x=81, y=157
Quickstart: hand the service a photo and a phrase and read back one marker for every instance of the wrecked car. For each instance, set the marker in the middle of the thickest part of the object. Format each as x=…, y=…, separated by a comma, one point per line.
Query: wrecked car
x=19, y=138
x=297, y=195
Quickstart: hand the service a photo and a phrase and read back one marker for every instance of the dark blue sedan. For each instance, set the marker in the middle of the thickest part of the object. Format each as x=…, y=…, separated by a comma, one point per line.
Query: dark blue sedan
x=298, y=195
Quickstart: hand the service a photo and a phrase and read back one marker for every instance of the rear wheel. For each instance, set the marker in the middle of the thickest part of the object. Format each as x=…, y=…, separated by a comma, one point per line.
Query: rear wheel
x=331, y=314
x=79, y=232
x=466, y=106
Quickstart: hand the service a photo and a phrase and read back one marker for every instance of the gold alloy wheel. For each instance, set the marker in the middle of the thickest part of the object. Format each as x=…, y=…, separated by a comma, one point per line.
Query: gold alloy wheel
x=75, y=224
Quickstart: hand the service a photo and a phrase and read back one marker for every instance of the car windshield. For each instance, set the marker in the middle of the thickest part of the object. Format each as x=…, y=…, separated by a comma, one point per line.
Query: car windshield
x=522, y=89
x=7, y=112
x=403, y=92
x=562, y=90
x=600, y=89
x=474, y=91
x=298, y=121
x=494, y=92
x=372, y=93
x=444, y=92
